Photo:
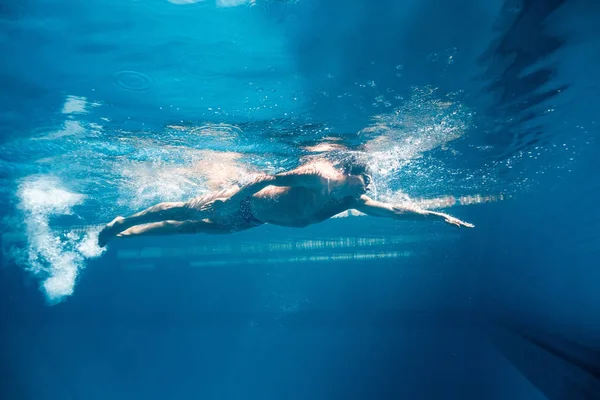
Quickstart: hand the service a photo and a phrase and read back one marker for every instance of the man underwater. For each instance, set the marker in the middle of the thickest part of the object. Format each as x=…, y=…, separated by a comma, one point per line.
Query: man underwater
x=306, y=195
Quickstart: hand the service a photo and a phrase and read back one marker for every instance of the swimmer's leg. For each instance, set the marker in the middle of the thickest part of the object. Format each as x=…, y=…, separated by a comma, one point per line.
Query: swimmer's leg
x=168, y=211
x=182, y=227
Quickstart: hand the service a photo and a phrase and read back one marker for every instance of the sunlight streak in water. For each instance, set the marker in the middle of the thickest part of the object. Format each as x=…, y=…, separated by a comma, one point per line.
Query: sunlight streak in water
x=53, y=257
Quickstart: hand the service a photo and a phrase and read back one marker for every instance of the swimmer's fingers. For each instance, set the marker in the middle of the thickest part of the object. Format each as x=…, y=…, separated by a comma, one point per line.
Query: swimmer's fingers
x=458, y=223
x=455, y=223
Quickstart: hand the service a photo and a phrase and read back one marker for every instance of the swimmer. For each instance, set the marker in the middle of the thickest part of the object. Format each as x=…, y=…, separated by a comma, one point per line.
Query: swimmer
x=307, y=195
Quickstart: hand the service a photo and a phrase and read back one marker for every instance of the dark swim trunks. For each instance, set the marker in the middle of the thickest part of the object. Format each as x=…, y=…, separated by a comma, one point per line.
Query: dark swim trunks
x=246, y=213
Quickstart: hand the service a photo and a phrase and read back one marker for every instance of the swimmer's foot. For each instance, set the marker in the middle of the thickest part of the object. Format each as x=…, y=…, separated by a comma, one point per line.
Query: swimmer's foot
x=110, y=231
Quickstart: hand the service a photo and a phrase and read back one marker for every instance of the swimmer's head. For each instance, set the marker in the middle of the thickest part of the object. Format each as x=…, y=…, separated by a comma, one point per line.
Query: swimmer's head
x=358, y=173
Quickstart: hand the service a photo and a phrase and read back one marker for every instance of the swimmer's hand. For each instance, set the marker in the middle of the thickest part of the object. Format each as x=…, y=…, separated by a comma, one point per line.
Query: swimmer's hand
x=456, y=222
x=221, y=207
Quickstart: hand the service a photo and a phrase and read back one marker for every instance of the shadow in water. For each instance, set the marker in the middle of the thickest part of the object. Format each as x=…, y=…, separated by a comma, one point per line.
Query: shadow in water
x=520, y=74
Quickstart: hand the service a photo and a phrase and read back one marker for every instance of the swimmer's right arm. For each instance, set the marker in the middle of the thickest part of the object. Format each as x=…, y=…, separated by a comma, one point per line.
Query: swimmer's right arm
x=406, y=212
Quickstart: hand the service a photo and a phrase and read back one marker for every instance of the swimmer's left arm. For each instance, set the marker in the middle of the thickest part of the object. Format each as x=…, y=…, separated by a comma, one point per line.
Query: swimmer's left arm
x=404, y=212
x=291, y=179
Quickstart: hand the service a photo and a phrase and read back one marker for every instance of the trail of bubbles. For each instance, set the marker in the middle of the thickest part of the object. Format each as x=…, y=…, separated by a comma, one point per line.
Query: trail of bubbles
x=144, y=183
x=396, y=140
x=53, y=257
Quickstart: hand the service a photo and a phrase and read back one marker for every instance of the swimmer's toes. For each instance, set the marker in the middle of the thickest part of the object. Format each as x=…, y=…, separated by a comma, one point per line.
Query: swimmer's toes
x=109, y=231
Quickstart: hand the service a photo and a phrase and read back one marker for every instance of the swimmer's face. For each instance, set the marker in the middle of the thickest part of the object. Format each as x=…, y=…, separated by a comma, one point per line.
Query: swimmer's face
x=358, y=184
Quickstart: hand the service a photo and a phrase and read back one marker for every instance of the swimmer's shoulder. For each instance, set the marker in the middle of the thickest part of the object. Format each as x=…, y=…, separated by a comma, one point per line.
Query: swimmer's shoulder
x=320, y=168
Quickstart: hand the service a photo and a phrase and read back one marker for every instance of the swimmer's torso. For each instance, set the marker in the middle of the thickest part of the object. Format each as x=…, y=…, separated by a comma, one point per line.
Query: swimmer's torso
x=295, y=207
x=299, y=206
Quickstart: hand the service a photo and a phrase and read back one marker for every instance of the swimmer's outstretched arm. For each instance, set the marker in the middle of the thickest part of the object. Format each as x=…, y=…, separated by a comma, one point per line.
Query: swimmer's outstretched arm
x=404, y=212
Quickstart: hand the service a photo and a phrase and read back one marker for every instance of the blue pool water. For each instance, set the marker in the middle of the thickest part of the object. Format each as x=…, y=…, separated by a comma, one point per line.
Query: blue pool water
x=485, y=109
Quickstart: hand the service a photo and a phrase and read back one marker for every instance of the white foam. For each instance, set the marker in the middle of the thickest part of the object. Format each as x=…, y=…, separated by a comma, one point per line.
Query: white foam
x=396, y=139
x=55, y=258
x=75, y=105
x=158, y=180
x=69, y=128
x=88, y=246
